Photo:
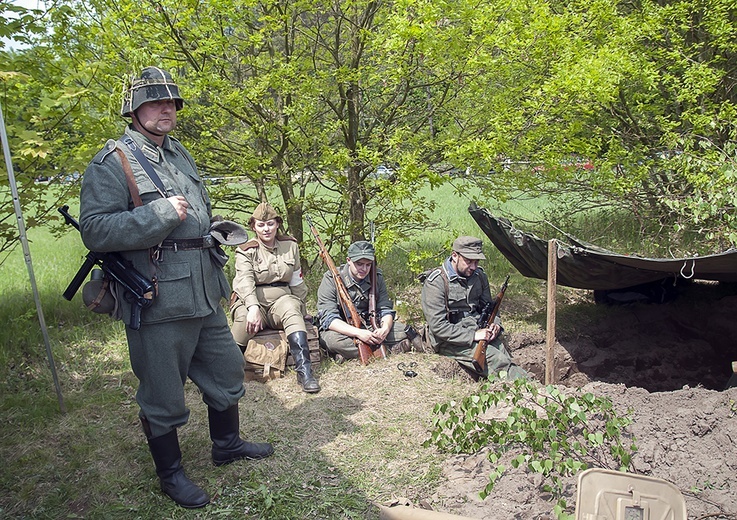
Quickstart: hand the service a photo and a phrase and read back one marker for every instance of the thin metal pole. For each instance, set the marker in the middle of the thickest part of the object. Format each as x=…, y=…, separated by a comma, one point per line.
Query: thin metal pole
x=552, y=291
x=27, y=256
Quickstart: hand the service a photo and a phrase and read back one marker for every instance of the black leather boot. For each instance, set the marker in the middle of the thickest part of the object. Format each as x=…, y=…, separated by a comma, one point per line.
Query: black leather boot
x=227, y=445
x=300, y=351
x=174, y=483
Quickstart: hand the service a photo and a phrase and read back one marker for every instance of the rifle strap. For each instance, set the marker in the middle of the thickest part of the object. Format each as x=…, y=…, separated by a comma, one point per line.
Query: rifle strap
x=129, y=178
x=372, y=298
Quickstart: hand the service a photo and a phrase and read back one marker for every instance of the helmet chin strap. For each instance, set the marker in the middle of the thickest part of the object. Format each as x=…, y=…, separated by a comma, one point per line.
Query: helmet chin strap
x=134, y=116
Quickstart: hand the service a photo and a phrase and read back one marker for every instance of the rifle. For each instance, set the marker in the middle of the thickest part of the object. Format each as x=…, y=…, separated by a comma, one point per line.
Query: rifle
x=479, y=355
x=365, y=353
x=139, y=290
x=381, y=350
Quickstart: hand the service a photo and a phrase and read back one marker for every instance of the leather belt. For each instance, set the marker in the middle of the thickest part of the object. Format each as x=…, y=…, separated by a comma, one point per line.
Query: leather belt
x=273, y=284
x=188, y=244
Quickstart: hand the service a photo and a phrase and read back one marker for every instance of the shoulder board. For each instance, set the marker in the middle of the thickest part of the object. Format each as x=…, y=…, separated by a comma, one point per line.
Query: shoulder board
x=429, y=275
x=251, y=244
x=283, y=238
x=106, y=150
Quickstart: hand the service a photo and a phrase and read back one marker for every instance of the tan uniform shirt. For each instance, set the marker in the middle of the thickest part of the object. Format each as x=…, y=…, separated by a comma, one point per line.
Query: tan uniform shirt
x=263, y=274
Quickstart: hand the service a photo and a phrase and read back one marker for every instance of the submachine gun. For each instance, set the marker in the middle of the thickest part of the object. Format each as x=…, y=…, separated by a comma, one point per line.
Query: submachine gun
x=139, y=290
x=488, y=314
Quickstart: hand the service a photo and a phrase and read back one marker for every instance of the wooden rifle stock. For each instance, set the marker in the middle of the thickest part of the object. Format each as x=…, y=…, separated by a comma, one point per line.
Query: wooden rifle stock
x=479, y=355
x=381, y=351
x=365, y=354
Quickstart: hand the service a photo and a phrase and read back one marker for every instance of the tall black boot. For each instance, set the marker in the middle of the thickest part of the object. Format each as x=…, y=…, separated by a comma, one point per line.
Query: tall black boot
x=227, y=445
x=174, y=483
x=300, y=351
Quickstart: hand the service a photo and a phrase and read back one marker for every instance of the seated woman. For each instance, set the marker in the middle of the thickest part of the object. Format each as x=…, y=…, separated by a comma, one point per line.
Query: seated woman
x=270, y=292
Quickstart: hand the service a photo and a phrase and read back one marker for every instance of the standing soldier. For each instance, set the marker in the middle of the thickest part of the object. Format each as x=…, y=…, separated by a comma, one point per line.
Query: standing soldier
x=269, y=291
x=336, y=334
x=142, y=196
x=453, y=297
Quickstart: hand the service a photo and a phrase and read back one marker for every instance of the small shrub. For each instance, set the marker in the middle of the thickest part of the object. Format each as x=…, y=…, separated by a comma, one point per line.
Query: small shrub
x=545, y=431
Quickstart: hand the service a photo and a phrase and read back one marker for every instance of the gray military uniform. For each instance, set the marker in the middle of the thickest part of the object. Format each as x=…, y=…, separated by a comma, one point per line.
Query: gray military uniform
x=329, y=309
x=452, y=304
x=185, y=332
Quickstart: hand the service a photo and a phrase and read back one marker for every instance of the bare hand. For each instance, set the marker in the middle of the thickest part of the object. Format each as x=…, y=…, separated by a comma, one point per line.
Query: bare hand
x=368, y=337
x=487, y=334
x=253, y=320
x=180, y=205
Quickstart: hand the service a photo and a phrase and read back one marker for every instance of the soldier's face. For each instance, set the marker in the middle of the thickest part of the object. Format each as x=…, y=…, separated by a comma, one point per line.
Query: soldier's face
x=360, y=268
x=157, y=117
x=266, y=230
x=462, y=265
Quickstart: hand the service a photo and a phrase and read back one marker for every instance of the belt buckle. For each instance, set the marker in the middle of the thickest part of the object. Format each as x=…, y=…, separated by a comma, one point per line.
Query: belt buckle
x=208, y=241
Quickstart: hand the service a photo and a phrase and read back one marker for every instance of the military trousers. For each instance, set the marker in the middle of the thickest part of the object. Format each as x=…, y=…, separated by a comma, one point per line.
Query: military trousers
x=498, y=358
x=286, y=314
x=336, y=343
x=163, y=355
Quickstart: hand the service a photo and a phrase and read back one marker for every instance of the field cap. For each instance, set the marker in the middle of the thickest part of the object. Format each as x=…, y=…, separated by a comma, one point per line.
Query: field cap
x=469, y=247
x=154, y=84
x=264, y=212
x=361, y=250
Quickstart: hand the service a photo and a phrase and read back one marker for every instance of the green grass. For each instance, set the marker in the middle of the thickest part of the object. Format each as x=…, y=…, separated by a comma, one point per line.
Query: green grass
x=338, y=453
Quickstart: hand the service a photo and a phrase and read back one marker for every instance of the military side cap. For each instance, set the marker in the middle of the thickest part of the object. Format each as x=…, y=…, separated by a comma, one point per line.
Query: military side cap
x=469, y=247
x=153, y=84
x=361, y=250
x=264, y=211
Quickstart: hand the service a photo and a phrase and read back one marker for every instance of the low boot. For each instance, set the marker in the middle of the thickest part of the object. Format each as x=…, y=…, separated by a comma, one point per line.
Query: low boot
x=174, y=483
x=300, y=350
x=227, y=445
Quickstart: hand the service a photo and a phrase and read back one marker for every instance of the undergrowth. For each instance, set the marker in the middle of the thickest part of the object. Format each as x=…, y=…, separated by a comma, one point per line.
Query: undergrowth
x=540, y=429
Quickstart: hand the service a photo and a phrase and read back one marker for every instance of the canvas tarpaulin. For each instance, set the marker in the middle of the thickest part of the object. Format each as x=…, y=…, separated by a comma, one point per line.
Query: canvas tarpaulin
x=586, y=266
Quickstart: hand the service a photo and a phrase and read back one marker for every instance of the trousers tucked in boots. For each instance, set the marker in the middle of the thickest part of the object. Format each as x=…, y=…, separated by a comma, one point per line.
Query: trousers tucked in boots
x=300, y=351
x=174, y=483
x=227, y=445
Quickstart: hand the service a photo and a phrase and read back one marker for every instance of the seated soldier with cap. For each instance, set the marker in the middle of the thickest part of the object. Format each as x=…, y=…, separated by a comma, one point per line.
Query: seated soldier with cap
x=453, y=297
x=269, y=291
x=336, y=334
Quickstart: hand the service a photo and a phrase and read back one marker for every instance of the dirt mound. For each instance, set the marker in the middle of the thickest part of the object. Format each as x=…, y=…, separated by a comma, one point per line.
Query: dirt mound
x=669, y=364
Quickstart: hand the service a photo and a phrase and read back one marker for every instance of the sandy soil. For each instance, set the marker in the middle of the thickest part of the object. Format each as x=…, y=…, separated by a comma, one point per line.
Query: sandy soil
x=670, y=364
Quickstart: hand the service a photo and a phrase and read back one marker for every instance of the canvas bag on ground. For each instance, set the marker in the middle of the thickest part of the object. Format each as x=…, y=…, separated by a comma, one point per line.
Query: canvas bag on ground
x=266, y=356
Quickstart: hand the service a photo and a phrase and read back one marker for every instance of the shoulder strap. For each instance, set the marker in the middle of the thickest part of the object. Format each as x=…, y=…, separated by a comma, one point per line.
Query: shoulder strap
x=132, y=186
x=249, y=245
x=145, y=164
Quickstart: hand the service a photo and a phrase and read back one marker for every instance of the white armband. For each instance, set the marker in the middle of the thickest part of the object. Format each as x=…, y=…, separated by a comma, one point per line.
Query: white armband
x=296, y=278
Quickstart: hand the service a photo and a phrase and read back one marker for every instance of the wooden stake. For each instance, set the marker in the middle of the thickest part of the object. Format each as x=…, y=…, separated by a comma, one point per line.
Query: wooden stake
x=550, y=377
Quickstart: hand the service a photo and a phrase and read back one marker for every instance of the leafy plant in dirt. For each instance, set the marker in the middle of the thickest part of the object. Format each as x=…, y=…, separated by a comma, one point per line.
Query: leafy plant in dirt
x=539, y=428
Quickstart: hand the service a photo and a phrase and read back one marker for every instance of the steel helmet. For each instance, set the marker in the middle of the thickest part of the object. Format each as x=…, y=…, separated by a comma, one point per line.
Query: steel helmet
x=154, y=84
